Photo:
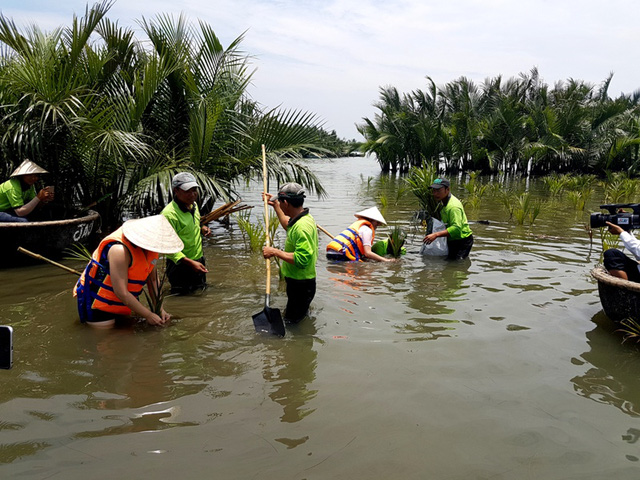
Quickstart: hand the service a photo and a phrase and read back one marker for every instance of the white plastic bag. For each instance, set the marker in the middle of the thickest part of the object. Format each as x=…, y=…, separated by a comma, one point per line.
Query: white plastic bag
x=439, y=246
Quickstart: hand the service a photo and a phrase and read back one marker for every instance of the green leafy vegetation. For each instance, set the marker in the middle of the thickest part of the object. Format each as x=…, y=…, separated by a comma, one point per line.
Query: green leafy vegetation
x=630, y=330
x=419, y=181
x=254, y=234
x=114, y=117
x=518, y=125
x=397, y=238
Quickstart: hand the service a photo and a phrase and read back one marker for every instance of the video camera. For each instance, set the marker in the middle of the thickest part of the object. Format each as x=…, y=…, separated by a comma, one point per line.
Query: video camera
x=626, y=221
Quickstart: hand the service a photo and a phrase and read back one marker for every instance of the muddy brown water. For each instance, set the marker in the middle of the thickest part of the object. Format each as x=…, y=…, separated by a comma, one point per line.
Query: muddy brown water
x=500, y=367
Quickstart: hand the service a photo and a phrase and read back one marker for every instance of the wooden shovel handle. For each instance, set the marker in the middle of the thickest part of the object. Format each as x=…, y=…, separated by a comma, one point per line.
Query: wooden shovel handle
x=40, y=257
x=266, y=217
x=325, y=232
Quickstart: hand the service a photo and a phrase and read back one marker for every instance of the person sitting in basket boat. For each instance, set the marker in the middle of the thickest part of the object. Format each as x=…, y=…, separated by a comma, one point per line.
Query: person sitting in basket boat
x=18, y=196
x=124, y=262
x=186, y=270
x=355, y=243
x=616, y=262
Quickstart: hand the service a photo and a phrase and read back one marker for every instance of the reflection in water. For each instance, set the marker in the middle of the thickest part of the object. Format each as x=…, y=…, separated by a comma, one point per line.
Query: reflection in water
x=14, y=451
x=613, y=378
x=348, y=281
x=435, y=284
x=290, y=369
x=128, y=373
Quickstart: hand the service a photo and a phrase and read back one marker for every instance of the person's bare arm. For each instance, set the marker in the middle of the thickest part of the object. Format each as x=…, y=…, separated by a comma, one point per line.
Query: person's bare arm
x=119, y=259
x=370, y=254
x=282, y=218
x=268, y=252
x=195, y=266
x=432, y=236
x=44, y=196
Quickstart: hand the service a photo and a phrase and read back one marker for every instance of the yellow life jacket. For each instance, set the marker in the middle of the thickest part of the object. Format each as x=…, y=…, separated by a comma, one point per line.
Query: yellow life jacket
x=94, y=289
x=349, y=243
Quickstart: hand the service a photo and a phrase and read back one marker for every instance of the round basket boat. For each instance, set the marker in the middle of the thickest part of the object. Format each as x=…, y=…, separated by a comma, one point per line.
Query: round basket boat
x=620, y=298
x=48, y=238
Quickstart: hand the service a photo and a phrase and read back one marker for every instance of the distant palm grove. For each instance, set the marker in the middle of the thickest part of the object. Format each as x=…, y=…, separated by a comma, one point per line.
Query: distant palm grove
x=516, y=125
x=113, y=117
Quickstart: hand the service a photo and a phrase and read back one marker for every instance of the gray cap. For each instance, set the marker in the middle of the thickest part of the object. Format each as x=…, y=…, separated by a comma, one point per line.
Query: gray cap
x=291, y=190
x=184, y=181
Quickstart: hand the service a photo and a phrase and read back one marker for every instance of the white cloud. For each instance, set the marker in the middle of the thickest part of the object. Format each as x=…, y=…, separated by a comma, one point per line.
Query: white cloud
x=331, y=56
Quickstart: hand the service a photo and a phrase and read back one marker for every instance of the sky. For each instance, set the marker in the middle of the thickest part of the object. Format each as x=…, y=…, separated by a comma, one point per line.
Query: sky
x=331, y=57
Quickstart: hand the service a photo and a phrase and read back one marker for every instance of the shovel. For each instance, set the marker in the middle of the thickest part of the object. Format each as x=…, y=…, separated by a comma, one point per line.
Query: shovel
x=268, y=320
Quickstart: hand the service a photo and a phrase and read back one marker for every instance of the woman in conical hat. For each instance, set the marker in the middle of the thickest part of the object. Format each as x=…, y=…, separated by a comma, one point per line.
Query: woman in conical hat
x=355, y=242
x=18, y=194
x=111, y=284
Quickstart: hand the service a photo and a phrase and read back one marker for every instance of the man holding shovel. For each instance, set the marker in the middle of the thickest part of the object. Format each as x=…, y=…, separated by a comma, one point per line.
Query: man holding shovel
x=300, y=249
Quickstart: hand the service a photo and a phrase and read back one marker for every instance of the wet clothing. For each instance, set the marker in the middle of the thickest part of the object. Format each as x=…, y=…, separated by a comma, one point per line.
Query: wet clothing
x=349, y=245
x=186, y=223
x=300, y=293
x=459, y=249
x=460, y=239
x=302, y=240
x=184, y=279
x=453, y=216
x=615, y=259
x=94, y=289
x=12, y=196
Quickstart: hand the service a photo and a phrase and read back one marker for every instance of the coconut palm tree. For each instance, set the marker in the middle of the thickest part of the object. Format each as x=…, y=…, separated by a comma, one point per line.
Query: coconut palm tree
x=519, y=125
x=115, y=121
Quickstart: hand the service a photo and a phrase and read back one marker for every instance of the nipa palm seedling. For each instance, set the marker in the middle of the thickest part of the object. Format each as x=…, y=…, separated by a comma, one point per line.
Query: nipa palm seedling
x=397, y=238
x=253, y=234
x=155, y=298
x=419, y=183
x=522, y=207
x=555, y=183
x=630, y=330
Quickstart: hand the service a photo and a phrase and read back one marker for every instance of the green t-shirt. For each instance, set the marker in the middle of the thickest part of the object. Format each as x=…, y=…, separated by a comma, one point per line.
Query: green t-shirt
x=302, y=240
x=454, y=218
x=12, y=195
x=187, y=226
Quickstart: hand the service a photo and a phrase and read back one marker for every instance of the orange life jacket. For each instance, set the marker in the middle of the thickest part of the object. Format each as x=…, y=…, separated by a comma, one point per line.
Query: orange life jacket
x=94, y=289
x=349, y=243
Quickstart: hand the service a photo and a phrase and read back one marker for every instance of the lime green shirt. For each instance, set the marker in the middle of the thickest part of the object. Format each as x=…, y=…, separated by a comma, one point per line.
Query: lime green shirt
x=302, y=240
x=454, y=218
x=12, y=195
x=187, y=226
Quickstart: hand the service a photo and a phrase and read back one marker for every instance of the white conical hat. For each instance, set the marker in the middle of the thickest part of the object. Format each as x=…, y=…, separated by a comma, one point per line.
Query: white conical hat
x=153, y=233
x=372, y=214
x=28, y=168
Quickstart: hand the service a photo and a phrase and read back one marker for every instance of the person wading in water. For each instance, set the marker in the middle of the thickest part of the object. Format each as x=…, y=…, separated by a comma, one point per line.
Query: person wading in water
x=186, y=270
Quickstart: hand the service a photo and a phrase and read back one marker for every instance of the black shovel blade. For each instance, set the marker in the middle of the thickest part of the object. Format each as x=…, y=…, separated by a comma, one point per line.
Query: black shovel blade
x=269, y=320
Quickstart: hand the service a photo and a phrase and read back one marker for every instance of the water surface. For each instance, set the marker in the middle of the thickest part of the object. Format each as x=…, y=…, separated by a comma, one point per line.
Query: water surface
x=500, y=367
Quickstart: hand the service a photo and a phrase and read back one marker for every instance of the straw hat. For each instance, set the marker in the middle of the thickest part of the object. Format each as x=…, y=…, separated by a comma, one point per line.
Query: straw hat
x=153, y=233
x=28, y=168
x=372, y=214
